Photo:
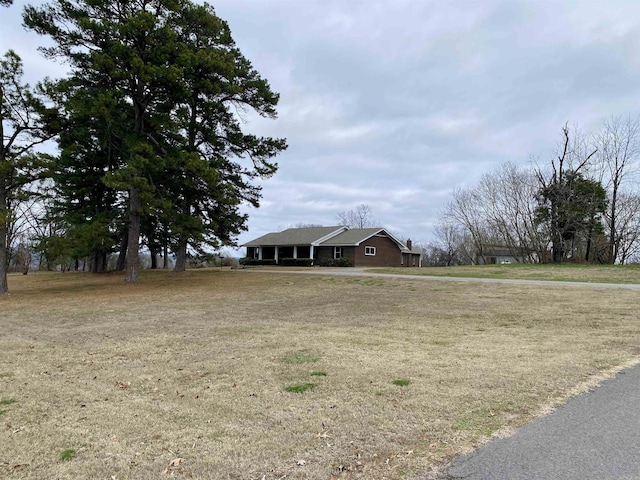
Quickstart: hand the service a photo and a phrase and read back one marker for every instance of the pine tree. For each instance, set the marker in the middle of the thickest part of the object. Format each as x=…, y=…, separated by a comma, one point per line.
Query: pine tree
x=173, y=72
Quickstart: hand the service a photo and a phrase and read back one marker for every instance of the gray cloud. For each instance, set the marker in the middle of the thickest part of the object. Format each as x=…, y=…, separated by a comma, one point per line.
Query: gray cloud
x=396, y=103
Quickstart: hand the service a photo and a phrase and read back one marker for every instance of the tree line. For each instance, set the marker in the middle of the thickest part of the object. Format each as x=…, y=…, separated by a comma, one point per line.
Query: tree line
x=581, y=206
x=148, y=124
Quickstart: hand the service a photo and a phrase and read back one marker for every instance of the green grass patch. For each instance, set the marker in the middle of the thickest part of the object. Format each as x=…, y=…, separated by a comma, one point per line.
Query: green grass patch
x=2, y=412
x=318, y=373
x=7, y=402
x=6, y=375
x=463, y=425
x=67, y=454
x=302, y=356
x=401, y=382
x=299, y=387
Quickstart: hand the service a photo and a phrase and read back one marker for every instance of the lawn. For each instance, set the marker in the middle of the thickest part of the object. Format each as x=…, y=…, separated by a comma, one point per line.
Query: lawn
x=260, y=375
x=563, y=272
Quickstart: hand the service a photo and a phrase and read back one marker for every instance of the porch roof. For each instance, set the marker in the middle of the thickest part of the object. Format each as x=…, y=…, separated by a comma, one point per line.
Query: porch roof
x=295, y=236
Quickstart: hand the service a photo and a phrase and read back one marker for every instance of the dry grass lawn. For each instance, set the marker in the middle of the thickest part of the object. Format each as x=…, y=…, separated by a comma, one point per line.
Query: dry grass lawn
x=188, y=376
x=527, y=271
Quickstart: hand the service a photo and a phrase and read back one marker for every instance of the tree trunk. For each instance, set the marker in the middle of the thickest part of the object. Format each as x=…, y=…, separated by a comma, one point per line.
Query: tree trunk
x=4, y=286
x=26, y=265
x=154, y=258
x=99, y=263
x=181, y=257
x=122, y=255
x=613, y=241
x=4, y=217
x=181, y=251
x=589, y=237
x=165, y=258
x=557, y=242
x=133, y=242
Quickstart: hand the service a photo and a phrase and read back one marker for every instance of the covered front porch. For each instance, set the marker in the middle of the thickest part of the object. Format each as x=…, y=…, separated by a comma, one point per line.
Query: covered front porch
x=277, y=253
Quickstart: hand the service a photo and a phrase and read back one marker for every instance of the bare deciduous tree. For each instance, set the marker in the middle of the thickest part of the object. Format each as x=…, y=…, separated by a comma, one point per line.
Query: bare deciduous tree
x=465, y=209
x=507, y=196
x=298, y=225
x=628, y=226
x=21, y=130
x=618, y=146
x=360, y=217
x=449, y=245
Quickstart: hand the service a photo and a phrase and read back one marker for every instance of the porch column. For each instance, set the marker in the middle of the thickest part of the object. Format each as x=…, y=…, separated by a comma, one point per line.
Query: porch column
x=311, y=251
x=275, y=255
x=295, y=251
x=259, y=253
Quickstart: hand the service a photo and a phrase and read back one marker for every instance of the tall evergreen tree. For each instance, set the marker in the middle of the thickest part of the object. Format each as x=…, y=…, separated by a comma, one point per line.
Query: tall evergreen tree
x=573, y=208
x=148, y=52
x=210, y=175
x=91, y=146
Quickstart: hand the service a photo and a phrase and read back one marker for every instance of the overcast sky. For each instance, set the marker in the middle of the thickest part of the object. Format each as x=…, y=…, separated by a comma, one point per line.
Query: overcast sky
x=395, y=103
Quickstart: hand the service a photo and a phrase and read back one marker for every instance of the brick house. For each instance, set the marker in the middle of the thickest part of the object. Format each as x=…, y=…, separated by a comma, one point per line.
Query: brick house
x=364, y=247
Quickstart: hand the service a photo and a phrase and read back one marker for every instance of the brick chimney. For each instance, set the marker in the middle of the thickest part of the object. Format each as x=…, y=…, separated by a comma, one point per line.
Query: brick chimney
x=409, y=243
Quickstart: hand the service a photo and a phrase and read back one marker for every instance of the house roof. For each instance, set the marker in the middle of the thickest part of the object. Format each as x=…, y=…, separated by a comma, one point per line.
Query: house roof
x=353, y=236
x=327, y=236
x=296, y=236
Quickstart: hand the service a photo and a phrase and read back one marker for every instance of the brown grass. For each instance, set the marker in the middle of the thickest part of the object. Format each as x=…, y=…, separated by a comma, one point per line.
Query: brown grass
x=185, y=376
x=558, y=272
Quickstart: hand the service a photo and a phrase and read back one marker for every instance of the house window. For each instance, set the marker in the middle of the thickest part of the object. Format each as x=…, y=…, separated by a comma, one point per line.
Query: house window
x=337, y=252
x=369, y=250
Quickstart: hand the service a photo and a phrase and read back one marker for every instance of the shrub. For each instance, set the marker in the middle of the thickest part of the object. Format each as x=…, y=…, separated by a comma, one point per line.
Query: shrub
x=253, y=261
x=296, y=262
x=337, y=262
x=343, y=262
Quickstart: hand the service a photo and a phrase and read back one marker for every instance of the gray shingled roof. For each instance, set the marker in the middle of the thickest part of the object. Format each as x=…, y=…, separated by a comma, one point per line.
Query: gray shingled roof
x=292, y=236
x=309, y=235
x=352, y=237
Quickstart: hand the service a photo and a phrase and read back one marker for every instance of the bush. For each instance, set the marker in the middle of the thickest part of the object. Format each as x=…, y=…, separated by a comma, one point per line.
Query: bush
x=253, y=261
x=335, y=262
x=296, y=262
x=343, y=262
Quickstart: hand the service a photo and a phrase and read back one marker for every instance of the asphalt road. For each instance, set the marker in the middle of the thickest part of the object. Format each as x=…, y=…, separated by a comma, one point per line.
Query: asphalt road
x=595, y=435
